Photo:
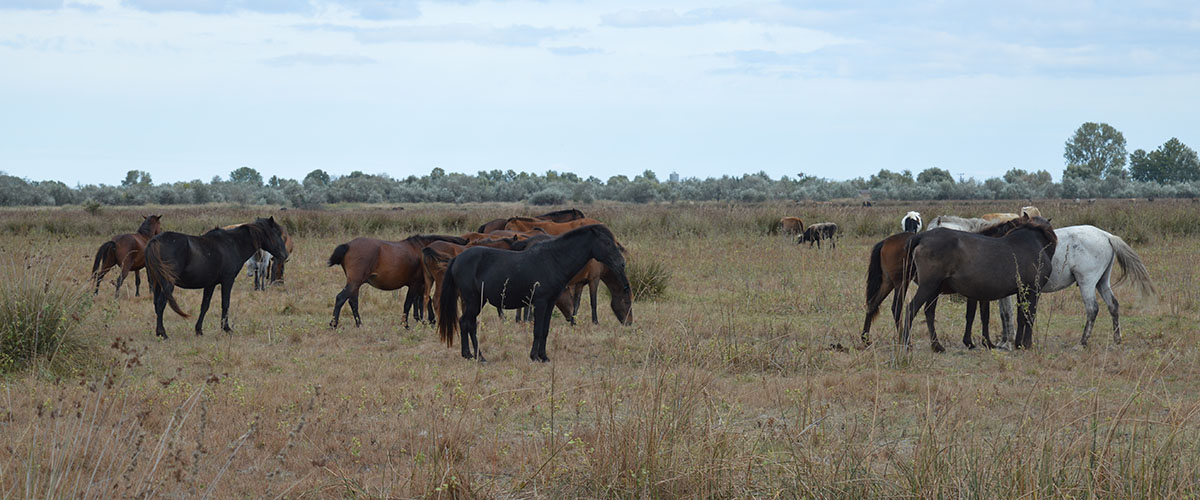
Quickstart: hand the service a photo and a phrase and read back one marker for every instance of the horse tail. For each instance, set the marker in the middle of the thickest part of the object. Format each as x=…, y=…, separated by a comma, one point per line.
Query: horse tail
x=875, y=271
x=161, y=276
x=339, y=254
x=1131, y=265
x=448, y=307
x=109, y=248
x=909, y=267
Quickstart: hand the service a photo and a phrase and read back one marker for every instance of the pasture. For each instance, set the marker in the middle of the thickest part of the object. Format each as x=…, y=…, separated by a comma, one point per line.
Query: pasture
x=745, y=379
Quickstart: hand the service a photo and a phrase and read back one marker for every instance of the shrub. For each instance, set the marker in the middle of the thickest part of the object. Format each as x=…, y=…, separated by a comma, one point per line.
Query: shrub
x=648, y=280
x=548, y=196
x=40, y=307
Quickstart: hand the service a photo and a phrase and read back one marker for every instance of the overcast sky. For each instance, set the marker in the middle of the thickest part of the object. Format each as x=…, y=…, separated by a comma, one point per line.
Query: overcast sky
x=189, y=89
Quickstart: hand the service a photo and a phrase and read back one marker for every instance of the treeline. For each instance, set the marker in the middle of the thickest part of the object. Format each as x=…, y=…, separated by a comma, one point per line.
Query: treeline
x=245, y=186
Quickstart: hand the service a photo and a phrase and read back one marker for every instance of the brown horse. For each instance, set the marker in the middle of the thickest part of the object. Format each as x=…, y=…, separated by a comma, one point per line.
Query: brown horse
x=556, y=216
x=791, y=225
x=386, y=265
x=526, y=224
x=435, y=257
x=128, y=251
x=621, y=302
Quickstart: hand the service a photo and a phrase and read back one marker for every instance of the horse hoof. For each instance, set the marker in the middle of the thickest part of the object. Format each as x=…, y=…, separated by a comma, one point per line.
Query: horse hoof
x=937, y=347
x=971, y=347
x=333, y=324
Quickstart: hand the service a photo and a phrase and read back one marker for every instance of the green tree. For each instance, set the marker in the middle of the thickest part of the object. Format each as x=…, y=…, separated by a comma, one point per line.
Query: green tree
x=1097, y=150
x=886, y=176
x=246, y=175
x=136, y=178
x=1171, y=162
x=934, y=175
x=315, y=178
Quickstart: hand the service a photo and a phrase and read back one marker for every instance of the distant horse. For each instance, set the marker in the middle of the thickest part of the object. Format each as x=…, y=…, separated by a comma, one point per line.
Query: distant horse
x=911, y=223
x=511, y=279
x=556, y=216
x=817, y=232
x=1085, y=257
x=385, y=265
x=981, y=268
x=126, y=250
x=186, y=261
x=791, y=225
x=526, y=224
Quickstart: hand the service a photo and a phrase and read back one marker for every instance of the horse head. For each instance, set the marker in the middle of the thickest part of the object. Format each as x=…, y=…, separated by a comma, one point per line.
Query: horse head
x=268, y=235
x=151, y=225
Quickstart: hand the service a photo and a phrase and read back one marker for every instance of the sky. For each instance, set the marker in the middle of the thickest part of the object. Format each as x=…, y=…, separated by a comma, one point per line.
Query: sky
x=191, y=89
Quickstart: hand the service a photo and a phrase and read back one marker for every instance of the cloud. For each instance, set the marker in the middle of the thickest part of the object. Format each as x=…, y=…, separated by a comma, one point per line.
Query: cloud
x=220, y=6
x=306, y=59
x=510, y=36
x=382, y=9
x=574, y=51
x=31, y=4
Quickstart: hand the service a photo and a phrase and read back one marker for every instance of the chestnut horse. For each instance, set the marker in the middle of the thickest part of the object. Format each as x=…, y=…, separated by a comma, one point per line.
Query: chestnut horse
x=128, y=251
x=527, y=224
x=386, y=265
x=556, y=216
x=791, y=225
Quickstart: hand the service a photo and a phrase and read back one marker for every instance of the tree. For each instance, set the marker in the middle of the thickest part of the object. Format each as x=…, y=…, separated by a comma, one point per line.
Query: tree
x=1097, y=150
x=136, y=178
x=246, y=175
x=934, y=175
x=1171, y=162
x=885, y=177
x=317, y=177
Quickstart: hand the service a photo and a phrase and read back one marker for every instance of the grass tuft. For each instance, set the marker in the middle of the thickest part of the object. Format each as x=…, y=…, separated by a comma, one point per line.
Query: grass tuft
x=649, y=279
x=40, y=308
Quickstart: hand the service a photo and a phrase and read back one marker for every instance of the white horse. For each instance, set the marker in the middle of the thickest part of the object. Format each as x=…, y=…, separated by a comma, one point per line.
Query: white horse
x=959, y=223
x=911, y=223
x=1085, y=257
x=259, y=266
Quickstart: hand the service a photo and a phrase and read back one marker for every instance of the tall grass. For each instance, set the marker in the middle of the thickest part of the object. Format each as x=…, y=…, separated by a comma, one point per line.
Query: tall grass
x=41, y=306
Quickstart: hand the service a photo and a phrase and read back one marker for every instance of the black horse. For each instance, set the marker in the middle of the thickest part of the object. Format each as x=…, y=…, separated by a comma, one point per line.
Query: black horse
x=979, y=267
x=510, y=280
x=817, y=232
x=186, y=261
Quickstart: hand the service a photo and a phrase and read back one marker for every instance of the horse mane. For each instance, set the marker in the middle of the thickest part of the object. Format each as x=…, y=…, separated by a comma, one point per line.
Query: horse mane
x=425, y=239
x=570, y=211
x=1036, y=224
x=603, y=231
x=522, y=245
x=522, y=218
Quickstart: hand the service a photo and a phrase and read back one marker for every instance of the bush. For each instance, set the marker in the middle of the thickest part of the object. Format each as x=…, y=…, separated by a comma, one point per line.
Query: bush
x=40, y=306
x=548, y=196
x=648, y=280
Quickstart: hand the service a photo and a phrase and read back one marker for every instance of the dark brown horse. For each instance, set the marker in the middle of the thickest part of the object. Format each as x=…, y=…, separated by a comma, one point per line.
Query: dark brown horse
x=885, y=269
x=982, y=268
x=591, y=275
x=128, y=251
x=556, y=216
x=817, y=232
x=386, y=265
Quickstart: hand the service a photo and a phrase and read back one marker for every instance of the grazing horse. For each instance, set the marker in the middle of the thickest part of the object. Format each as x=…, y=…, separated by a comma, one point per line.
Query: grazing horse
x=261, y=266
x=527, y=224
x=979, y=267
x=127, y=251
x=911, y=223
x=186, y=261
x=621, y=300
x=959, y=223
x=791, y=225
x=817, y=232
x=556, y=216
x=386, y=265
x=1085, y=257
x=511, y=279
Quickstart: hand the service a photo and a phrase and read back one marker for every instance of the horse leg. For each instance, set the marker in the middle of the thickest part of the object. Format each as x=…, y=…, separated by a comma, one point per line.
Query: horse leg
x=1025, y=332
x=100, y=277
x=354, y=310
x=160, y=304
x=971, y=303
x=137, y=283
x=351, y=290
x=208, y=293
x=592, y=286
x=226, y=290
x=930, y=313
x=466, y=331
x=1007, y=335
x=125, y=265
x=873, y=309
x=1114, y=309
x=1090, y=307
x=984, y=313
x=541, y=330
x=923, y=296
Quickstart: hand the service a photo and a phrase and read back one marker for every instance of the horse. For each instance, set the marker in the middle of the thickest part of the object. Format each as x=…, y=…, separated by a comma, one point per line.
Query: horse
x=512, y=279
x=127, y=251
x=791, y=225
x=385, y=265
x=556, y=216
x=911, y=223
x=527, y=224
x=1085, y=257
x=981, y=268
x=817, y=232
x=621, y=301
x=885, y=270
x=1005, y=216
x=261, y=266
x=501, y=233
x=436, y=256
x=215, y=258
x=956, y=223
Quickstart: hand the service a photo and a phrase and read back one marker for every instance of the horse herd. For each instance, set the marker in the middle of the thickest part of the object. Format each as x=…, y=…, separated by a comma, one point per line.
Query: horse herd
x=537, y=264
x=532, y=264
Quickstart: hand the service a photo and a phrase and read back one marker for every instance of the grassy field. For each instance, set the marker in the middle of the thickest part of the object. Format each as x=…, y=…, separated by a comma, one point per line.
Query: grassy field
x=746, y=379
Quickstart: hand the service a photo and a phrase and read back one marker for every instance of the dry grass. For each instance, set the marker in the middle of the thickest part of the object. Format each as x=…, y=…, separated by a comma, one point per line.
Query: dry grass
x=745, y=379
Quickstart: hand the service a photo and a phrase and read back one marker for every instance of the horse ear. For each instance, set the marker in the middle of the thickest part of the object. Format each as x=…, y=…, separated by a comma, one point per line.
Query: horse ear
x=1048, y=219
